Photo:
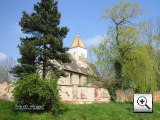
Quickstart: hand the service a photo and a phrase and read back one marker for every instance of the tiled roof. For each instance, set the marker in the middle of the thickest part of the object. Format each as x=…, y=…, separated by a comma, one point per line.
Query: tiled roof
x=77, y=42
x=86, y=69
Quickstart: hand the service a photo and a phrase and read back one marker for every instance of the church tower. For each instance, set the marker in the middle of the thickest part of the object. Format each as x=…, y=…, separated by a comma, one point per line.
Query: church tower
x=78, y=50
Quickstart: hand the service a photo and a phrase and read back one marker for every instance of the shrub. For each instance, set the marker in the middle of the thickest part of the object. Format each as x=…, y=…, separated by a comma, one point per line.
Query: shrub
x=33, y=90
x=111, y=86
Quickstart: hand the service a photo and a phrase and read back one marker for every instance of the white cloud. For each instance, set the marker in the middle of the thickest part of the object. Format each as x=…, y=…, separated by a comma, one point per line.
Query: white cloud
x=3, y=56
x=94, y=40
x=6, y=60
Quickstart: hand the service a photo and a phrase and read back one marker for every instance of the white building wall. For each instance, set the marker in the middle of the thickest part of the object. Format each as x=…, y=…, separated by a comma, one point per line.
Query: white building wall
x=75, y=79
x=66, y=93
x=80, y=95
x=65, y=80
x=83, y=80
x=78, y=51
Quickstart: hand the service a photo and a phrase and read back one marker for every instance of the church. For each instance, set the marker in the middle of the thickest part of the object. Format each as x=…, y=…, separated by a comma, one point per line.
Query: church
x=79, y=68
x=78, y=87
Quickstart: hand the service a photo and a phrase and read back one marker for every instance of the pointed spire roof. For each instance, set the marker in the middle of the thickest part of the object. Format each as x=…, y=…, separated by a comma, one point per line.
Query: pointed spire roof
x=77, y=42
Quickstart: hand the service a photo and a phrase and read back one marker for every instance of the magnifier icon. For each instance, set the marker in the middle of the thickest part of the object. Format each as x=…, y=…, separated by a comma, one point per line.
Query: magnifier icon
x=142, y=101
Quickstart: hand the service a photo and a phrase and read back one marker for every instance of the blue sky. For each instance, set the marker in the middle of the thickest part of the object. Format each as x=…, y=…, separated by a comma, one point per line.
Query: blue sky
x=83, y=16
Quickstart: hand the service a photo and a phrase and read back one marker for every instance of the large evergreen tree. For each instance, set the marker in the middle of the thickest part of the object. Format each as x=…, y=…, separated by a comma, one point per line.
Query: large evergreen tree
x=44, y=40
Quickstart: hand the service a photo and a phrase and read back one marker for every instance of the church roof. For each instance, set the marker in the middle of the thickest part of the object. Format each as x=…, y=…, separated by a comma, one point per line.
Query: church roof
x=77, y=43
x=74, y=66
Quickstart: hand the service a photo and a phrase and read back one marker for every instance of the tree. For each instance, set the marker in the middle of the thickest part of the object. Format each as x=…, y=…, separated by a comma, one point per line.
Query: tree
x=139, y=68
x=146, y=31
x=150, y=34
x=5, y=67
x=44, y=41
x=122, y=14
x=3, y=74
x=103, y=57
x=157, y=37
x=41, y=92
x=122, y=35
x=121, y=49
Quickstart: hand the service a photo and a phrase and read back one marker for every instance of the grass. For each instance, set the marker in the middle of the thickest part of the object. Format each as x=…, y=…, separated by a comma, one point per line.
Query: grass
x=101, y=111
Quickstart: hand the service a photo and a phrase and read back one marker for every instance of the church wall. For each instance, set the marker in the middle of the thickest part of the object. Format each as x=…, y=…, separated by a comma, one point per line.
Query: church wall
x=86, y=94
x=65, y=80
x=74, y=78
x=82, y=51
x=83, y=80
x=83, y=94
x=78, y=51
x=93, y=94
x=66, y=93
x=80, y=95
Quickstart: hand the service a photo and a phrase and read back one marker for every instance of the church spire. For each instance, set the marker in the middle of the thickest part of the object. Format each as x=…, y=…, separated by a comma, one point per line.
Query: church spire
x=78, y=50
x=77, y=42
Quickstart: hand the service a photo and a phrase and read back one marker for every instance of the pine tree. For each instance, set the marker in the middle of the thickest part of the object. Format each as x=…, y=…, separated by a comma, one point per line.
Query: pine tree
x=44, y=40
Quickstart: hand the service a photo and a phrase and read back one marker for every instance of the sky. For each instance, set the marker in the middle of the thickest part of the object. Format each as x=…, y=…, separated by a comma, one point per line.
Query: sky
x=82, y=16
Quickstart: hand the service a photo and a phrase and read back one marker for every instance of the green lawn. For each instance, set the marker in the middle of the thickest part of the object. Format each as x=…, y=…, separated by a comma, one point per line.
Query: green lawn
x=101, y=111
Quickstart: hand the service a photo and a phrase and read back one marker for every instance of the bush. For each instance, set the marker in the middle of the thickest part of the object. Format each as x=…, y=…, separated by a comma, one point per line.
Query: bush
x=111, y=86
x=33, y=90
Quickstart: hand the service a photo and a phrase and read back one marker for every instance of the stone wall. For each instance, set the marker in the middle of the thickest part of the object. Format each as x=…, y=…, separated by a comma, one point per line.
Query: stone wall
x=68, y=93
x=83, y=80
x=157, y=96
x=75, y=78
x=83, y=94
x=80, y=94
x=127, y=96
x=124, y=95
x=65, y=80
x=75, y=89
x=65, y=93
x=6, y=91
